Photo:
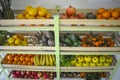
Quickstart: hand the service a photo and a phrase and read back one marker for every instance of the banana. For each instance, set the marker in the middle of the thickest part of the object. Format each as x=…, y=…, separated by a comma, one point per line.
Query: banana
x=35, y=62
x=54, y=60
x=50, y=60
x=43, y=61
x=40, y=59
x=47, y=60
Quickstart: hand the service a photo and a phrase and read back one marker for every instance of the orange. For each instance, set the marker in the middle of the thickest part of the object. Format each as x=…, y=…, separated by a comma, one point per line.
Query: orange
x=117, y=9
x=30, y=63
x=32, y=59
x=4, y=61
x=111, y=18
x=24, y=55
x=110, y=10
x=19, y=55
x=115, y=14
x=14, y=62
x=22, y=58
x=27, y=58
x=19, y=62
x=106, y=15
x=9, y=62
x=118, y=18
x=99, y=16
x=24, y=62
x=10, y=58
x=16, y=58
x=101, y=10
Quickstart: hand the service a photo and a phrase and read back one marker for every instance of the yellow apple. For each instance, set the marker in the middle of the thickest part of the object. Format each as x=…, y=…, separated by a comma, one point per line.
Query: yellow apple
x=102, y=59
x=95, y=59
x=99, y=64
x=92, y=64
x=87, y=58
x=78, y=64
x=80, y=59
x=86, y=64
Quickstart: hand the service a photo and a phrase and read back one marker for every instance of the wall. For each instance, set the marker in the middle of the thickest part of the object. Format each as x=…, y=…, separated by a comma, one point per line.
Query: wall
x=20, y=4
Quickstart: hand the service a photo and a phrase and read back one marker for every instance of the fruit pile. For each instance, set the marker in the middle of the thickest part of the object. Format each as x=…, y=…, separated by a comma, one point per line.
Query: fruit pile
x=17, y=40
x=19, y=59
x=71, y=13
x=110, y=14
x=34, y=13
x=86, y=60
x=83, y=75
x=33, y=74
x=90, y=40
x=97, y=40
x=44, y=60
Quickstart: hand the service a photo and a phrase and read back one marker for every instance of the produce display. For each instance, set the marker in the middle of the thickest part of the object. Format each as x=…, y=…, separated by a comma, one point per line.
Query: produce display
x=110, y=14
x=91, y=40
x=34, y=13
x=19, y=59
x=33, y=75
x=44, y=60
x=6, y=12
x=86, y=60
x=30, y=59
x=52, y=75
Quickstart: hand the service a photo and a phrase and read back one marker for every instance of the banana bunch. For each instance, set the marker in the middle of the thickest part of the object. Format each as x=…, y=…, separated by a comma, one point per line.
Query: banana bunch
x=44, y=60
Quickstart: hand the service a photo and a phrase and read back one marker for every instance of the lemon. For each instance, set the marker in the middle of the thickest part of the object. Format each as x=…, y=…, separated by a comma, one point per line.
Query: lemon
x=20, y=16
x=24, y=43
x=6, y=44
x=11, y=40
x=42, y=12
x=25, y=39
x=17, y=41
x=12, y=45
x=32, y=11
x=28, y=8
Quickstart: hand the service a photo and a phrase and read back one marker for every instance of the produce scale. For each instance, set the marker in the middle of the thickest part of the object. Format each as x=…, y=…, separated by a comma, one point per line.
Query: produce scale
x=59, y=44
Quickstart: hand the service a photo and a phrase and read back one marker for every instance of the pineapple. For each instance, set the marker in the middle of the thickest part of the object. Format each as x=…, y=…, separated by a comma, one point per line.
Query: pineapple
x=7, y=12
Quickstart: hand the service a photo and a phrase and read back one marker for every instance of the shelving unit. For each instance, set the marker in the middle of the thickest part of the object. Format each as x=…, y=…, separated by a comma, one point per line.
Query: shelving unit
x=59, y=25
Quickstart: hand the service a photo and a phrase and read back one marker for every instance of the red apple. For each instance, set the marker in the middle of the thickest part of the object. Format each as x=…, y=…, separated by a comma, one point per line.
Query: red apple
x=63, y=16
x=73, y=17
x=70, y=11
x=81, y=15
x=23, y=72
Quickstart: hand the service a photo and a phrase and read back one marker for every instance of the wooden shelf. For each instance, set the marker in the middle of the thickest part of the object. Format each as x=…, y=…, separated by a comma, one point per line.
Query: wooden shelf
x=30, y=68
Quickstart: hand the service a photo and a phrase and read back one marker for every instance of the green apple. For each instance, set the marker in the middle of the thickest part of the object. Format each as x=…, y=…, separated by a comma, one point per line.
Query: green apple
x=87, y=58
x=99, y=64
x=78, y=64
x=85, y=64
x=102, y=59
x=80, y=58
x=109, y=59
x=92, y=64
x=73, y=62
x=106, y=64
x=95, y=59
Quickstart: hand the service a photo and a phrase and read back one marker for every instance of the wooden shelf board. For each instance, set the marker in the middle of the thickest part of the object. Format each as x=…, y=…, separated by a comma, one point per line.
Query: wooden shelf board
x=22, y=28
x=50, y=48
